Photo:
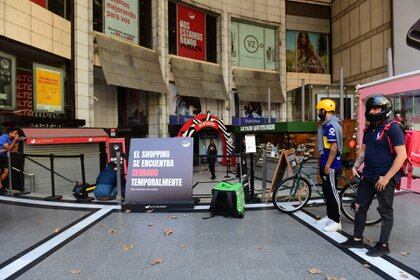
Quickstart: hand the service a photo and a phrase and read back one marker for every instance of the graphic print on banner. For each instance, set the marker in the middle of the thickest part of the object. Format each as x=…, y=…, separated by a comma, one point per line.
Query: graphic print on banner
x=191, y=37
x=121, y=19
x=49, y=89
x=160, y=172
x=7, y=81
x=24, y=93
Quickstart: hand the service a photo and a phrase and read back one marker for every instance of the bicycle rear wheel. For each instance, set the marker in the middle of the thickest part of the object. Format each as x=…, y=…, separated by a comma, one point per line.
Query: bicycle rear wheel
x=291, y=194
x=348, y=197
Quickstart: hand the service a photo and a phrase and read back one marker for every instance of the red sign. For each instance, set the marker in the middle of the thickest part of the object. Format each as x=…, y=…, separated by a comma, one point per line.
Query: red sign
x=42, y=3
x=191, y=37
x=24, y=93
x=69, y=140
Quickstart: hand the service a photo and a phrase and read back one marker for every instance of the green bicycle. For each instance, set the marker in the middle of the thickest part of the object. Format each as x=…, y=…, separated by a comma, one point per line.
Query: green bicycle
x=294, y=193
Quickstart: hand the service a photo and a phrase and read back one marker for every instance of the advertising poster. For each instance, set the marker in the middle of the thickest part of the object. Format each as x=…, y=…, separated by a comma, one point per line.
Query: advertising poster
x=182, y=108
x=307, y=52
x=160, y=172
x=49, y=89
x=191, y=39
x=7, y=81
x=253, y=46
x=24, y=96
x=121, y=19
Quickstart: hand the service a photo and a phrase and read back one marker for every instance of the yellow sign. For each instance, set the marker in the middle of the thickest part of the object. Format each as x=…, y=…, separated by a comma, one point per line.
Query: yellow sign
x=49, y=89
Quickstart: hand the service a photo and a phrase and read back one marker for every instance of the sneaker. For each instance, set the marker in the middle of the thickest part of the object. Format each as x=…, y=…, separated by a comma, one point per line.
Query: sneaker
x=379, y=250
x=351, y=243
x=332, y=227
x=324, y=221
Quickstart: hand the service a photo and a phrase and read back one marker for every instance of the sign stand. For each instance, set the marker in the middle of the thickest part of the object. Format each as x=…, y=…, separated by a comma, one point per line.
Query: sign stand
x=286, y=166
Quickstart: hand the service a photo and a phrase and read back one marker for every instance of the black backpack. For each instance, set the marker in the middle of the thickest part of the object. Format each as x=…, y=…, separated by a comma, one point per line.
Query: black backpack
x=80, y=192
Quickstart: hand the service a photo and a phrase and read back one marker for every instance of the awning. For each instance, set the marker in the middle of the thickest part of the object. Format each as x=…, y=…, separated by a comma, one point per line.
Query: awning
x=51, y=136
x=129, y=65
x=252, y=85
x=198, y=78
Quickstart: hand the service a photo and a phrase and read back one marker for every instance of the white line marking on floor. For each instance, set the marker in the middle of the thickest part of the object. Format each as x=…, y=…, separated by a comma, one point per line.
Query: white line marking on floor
x=57, y=203
x=31, y=256
x=380, y=263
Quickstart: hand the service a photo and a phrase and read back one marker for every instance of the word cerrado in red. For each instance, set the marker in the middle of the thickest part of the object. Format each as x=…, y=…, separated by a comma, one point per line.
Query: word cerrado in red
x=145, y=173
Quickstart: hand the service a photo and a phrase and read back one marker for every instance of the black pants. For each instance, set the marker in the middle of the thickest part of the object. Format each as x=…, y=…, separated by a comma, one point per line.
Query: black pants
x=365, y=195
x=332, y=199
x=211, y=167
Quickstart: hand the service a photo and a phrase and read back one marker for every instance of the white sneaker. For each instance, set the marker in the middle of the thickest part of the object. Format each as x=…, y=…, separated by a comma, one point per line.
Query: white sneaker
x=332, y=227
x=324, y=221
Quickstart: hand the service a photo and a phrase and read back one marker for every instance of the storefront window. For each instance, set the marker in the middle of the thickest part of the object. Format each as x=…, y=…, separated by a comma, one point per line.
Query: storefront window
x=192, y=33
x=58, y=7
x=407, y=104
x=307, y=52
x=132, y=108
x=253, y=46
x=127, y=20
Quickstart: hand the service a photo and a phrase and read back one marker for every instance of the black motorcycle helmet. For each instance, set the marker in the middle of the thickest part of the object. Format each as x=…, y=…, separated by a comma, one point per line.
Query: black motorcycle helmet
x=381, y=102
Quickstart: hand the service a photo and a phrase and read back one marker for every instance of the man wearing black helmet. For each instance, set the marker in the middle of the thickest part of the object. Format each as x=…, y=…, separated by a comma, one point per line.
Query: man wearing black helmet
x=383, y=153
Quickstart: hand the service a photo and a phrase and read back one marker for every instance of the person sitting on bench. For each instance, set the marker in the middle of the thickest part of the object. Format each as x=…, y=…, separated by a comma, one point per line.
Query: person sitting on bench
x=106, y=183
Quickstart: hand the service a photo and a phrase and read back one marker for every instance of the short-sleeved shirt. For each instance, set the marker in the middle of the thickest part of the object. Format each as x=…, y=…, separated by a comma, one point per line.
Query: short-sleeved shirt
x=378, y=155
x=4, y=139
x=329, y=136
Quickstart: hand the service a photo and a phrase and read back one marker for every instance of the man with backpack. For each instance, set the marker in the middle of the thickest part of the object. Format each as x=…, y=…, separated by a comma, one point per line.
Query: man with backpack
x=330, y=144
x=383, y=153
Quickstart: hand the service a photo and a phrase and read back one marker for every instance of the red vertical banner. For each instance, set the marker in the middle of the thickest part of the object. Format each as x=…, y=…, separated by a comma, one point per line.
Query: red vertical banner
x=42, y=3
x=24, y=93
x=191, y=39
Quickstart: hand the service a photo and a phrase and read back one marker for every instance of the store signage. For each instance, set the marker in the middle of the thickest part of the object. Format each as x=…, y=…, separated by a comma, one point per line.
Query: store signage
x=49, y=89
x=68, y=140
x=191, y=25
x=253, y=46
x=248, y=120
x=160, y=172
x=261, y=127
x=42, y=3
x=121, y=19
x=24, y=93
x=7, y=81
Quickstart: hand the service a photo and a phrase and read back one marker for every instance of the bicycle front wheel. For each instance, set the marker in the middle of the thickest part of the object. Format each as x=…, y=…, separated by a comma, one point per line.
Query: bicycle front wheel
x=291, y=194
x=348, y=197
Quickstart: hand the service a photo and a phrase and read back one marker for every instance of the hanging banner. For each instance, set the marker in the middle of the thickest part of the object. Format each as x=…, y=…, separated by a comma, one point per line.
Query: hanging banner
x=49, y=89
x=160, y=173
x=7, y=81
x=42, y=3
x=121, y=19
x=24, y=93
x=191, y=25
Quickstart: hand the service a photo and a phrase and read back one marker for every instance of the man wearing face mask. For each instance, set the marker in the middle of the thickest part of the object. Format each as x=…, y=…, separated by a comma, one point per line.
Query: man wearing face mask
x=383, y=152
x=330, y=144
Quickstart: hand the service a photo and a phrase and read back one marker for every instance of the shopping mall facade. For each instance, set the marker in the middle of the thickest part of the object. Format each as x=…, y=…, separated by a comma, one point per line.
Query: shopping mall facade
x=144, y=67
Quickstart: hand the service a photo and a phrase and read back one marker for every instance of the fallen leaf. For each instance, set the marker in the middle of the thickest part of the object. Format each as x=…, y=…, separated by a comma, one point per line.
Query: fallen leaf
x=403, y=275
x=331, y=278
x=366, y=265
x=259, y=247
x=174, y=217
x=75, y=271
x=405, y=254
x=370, y=241
x=317, y=217
x=127, y=211
x=168, y=231
x=103, y=225
x=314, y=270
x=151, y=224
x=56, y=230
x=157, y=261
x=111, y=231
x=128, y=247
x=183, y=246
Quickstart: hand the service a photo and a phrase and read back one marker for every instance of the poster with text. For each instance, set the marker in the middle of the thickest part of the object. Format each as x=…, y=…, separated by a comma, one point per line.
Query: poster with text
x=160, y=172
x=7, y=81
x=49, y=89
x=24, y=98
x=191, y=33
x=121, y=19
x=307, y=52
